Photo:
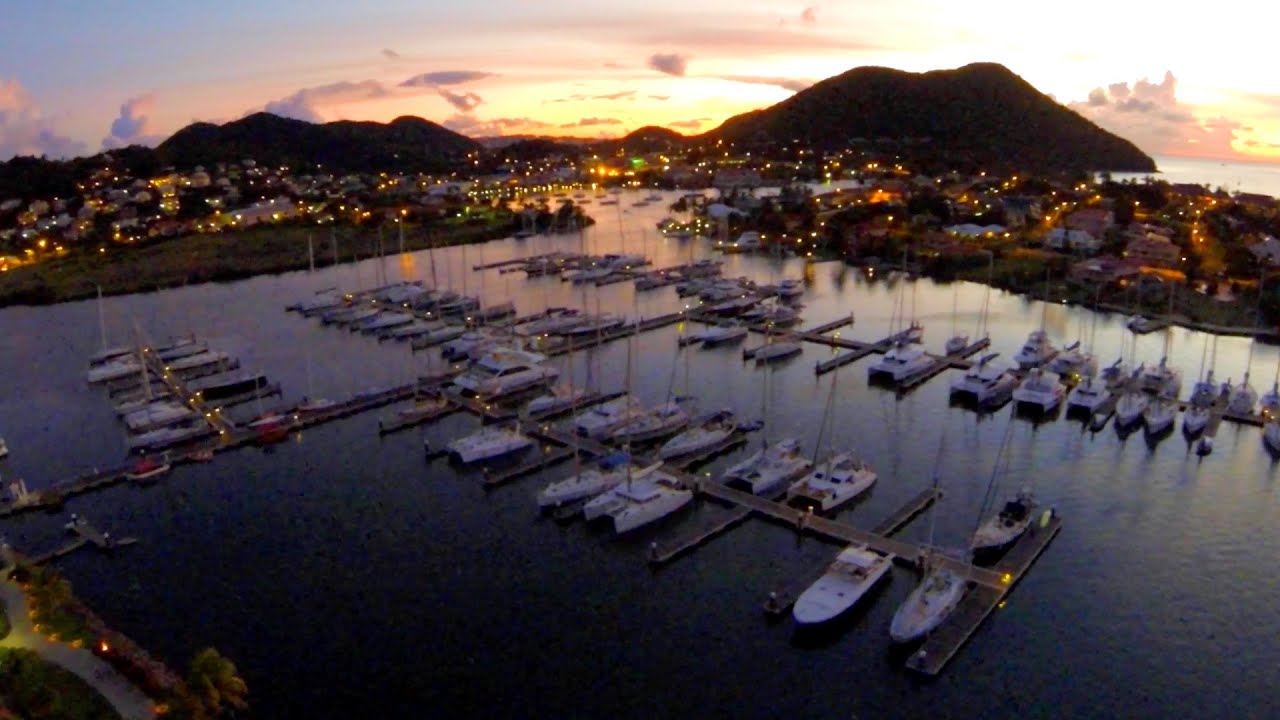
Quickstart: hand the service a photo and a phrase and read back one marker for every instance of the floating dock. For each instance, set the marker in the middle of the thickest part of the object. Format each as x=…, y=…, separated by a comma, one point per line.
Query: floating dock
x=545, y=459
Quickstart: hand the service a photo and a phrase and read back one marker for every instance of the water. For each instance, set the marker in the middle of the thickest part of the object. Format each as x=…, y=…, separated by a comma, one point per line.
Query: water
x=1236, y=176
x=348, y=578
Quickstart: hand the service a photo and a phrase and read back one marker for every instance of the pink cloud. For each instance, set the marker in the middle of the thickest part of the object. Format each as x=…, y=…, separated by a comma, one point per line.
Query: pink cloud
x=24, y=130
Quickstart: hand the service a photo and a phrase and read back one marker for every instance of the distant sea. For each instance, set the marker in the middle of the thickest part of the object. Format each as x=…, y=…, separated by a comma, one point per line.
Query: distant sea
x=1232, y=176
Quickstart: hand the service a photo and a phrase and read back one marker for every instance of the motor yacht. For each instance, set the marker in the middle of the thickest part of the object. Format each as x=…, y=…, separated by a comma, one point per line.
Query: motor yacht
x=1035, y=351
x=634, y=503
x=984, y=382
x=901, y=363
x=855, y=571
x=488, y=443
x=832, y=483
x=608, y=473
x=768, y=469
x=1041, y=390
x=927, y=605
x=703, y=434
x=1001, y=529
x=504, y=371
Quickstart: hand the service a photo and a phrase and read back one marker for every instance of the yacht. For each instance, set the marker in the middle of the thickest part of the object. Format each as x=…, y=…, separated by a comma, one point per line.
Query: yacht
x=1088, y=396
x=1271, y=436
x=599, y=421
x=777, y=350
x=1159, y=415
x=900, y=364
x=122, y=366
x=1000, y=530
x=928, y=605
x=1115, y=373
x=322, y=300
x=559, y=397
x=724, y=332
x=1035, y=351
x=1162, y=379
x=611, y=471
x=488, y=443
x=1130, y=407
x=662, y=421
x=985, y=382
x=775, y=315
x=355, y=317
x=765, y=471
x=458, y=305
x=166, y=436
x=956, y=344
x=416, y=328
x=1041, y=389
x=312, y=406
x=703, y=434
x=383, y=322
x=855, y=571
x=198, y=360
x=635, y=503
x=180, y=348
x=157, y=415
x=1205, y=392
x=504, y=371
x=1195, y=419
x=1073, y=362
x=554, y=324
x=459, y=347
x=1243, y=398
x=439, y=336
x=834, y=482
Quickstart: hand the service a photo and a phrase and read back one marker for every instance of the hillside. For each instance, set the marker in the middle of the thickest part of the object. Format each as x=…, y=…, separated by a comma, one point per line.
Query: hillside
x=404, y=143
x=981, y=113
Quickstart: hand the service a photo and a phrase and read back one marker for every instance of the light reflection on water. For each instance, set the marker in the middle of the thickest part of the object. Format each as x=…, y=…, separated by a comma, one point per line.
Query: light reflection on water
x=339, y=572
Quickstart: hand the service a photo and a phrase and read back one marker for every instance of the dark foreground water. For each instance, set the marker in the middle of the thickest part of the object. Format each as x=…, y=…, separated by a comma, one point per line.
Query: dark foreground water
x=349, y=578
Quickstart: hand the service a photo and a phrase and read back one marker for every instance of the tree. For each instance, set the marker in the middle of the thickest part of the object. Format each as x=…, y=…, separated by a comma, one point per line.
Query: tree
x=215, y=684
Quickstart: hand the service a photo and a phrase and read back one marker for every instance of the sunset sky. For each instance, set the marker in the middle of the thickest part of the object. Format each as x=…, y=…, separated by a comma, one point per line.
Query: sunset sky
x=76, y=77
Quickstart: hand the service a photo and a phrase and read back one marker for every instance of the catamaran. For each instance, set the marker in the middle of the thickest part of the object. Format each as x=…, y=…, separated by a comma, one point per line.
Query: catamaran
x=1035, y=351
x=488, y=443
x=1041, y=390
x=1088, y=396
x=901, y=363
x=855, y=571
x=984, y=382
x=634, y=503
x=835, y=481
x=765, y=472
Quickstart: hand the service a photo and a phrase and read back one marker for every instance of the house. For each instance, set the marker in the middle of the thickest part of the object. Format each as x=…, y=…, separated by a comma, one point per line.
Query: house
x=1154, y=251
x=1094, y=221
x=1020, y=210
x=972, y=230
x=1267, y=250
x=1073, y=241
x=280, y=208
x=1255, y=200
x=731, y=178
x=1104, y=270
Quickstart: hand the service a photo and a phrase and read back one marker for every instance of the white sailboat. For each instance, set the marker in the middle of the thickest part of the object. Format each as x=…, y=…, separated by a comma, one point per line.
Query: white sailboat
x=611, y=471
x=1159, y=416
x=985, y=382
x=838, y=479
x=777, y=347
x=1130, y=407
x=637, y=502
x=958, y=340
x=702, y=434
x=1271, y=436
x=1087, y=396
x=855, y=571
x=488, y=443
x=660, y=422
x=1041, y=390
x=1001, y=529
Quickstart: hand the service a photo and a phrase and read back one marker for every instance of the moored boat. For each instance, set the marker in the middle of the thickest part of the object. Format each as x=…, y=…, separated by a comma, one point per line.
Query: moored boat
x=837, y=480
x=855, y=571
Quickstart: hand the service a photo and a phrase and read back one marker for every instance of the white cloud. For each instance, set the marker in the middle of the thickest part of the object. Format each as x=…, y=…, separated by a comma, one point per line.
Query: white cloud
x=307, y=104
x=24, y=130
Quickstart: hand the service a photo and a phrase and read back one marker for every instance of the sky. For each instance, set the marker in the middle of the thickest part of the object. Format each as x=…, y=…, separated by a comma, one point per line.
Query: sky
x=77, y=77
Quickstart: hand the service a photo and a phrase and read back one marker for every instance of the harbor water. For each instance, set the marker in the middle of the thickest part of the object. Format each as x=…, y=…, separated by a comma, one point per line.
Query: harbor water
x=348, y=576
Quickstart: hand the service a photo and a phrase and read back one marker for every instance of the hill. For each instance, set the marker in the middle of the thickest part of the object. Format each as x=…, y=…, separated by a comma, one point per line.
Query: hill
x=406, y=143
x=981, y=113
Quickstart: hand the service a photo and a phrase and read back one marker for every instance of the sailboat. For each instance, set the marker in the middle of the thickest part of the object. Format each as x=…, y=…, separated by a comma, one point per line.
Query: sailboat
x=855, y=571
x=836, y=480
x=1204, y=394
x=1003, y=528
x=105, y=352
x=902, y=361
x=1041, y=390
x=488, y=443
x=1159, y=415
x=1271, y=436
x=769, y=468
x=611, y=471
x=310, y=403
x=938, y=593
x=636, y=502
x=958, y=341
x=1130, y=407
x=1243, y=397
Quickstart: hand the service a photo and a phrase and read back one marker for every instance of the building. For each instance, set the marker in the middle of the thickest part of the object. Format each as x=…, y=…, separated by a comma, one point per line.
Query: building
x=1073, y=241
x=1094, y=221
x=1154, y=251
x=1020, y=210
x=1104, y=270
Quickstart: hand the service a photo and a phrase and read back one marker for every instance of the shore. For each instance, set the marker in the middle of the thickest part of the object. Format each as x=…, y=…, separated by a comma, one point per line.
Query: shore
x=218, y=257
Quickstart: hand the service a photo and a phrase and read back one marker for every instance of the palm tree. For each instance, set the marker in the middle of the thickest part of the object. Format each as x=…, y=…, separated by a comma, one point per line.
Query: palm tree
x=215, y=683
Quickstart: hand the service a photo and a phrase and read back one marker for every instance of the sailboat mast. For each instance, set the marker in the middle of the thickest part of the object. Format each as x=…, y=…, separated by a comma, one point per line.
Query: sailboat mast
x=311, y=253
x=102, y=320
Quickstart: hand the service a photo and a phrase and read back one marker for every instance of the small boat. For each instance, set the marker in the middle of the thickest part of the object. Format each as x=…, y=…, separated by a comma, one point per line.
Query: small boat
x=1000, y=530
x=767, y=469
x=985, y=382
x=722, y=333
x=488, y=443
x=901, y=363
x=1204, y=446
x=928, y=605
x=611, y=471
x=1035, y=351
x=146, y=469
x=635, y=503
x=1041, y=390
x=704, y=433
x=776, y=350
x=855, y=571
x=956, y=345
x=834, y=482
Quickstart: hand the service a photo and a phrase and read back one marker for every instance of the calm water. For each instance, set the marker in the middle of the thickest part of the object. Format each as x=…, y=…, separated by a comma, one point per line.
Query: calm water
x=349, y=578
x=1252, y=177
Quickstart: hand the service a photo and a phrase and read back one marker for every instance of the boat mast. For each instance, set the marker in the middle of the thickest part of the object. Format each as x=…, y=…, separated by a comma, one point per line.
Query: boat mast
x=826, y=415
x=311, y=253
x=102, y=320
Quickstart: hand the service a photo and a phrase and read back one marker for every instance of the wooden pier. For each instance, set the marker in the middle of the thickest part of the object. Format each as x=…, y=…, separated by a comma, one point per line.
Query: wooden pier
x=909, y=511
x=545, y=459
x=401, y=421
x=86, y=534
x=721, y=520
x=940, y=363
x=979, y=601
